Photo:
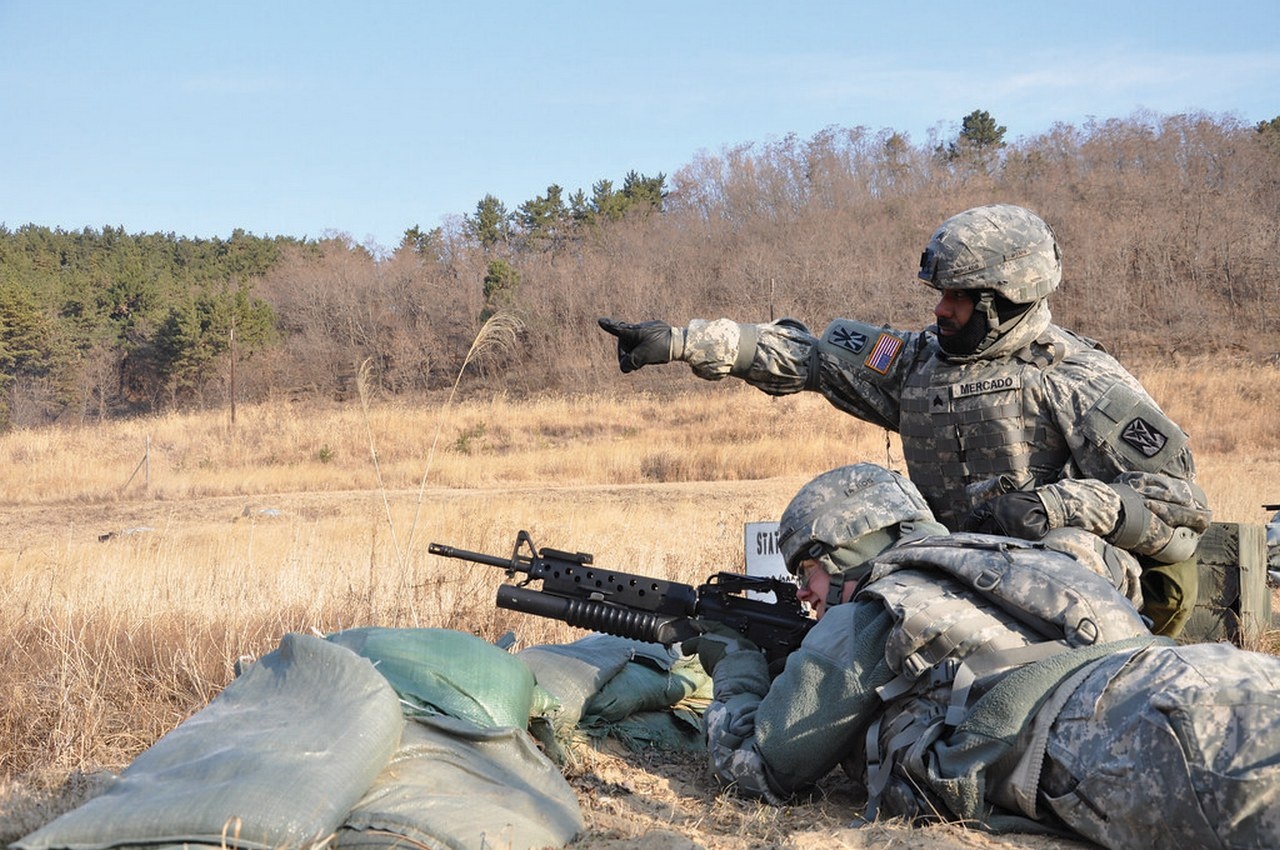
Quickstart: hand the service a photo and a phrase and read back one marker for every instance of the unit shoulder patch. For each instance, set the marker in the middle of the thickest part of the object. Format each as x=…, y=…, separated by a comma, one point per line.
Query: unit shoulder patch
x=849, y=339
x=1129, y=422
x=1143, y=436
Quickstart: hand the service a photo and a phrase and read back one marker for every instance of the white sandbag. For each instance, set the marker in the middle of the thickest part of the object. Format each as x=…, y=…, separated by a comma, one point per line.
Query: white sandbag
x=275, y=761
x=456, y=785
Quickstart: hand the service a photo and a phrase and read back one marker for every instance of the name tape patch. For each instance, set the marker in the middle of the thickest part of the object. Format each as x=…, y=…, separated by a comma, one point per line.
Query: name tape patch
x=964, y=389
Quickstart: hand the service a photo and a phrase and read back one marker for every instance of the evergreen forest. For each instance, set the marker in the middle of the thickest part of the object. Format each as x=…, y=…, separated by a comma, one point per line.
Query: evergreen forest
x=1169, y=227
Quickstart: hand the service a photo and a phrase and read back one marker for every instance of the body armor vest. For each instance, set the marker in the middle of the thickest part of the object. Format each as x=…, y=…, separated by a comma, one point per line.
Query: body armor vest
x=964, y=424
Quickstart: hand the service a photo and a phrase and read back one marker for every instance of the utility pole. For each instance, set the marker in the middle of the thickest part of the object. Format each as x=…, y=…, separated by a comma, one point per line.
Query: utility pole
x=233, y=367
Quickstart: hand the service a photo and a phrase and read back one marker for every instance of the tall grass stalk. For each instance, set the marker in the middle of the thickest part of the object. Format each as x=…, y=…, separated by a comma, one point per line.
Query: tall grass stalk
x=498, y=334
x=362, y=388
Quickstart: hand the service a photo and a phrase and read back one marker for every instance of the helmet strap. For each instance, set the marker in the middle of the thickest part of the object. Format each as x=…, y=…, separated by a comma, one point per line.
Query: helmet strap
x=850, y=562
x=986, y=305
x=1008, y=311
x=835, y=589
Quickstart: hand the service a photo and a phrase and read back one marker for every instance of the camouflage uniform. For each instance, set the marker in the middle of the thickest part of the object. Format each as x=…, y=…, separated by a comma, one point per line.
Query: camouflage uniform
x=1037, y=413
x=1066, y=715
x=1035, y=407
x=1186, y=739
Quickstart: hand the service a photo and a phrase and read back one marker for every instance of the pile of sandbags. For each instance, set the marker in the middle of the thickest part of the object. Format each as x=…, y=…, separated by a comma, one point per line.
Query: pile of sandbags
x=375, y=737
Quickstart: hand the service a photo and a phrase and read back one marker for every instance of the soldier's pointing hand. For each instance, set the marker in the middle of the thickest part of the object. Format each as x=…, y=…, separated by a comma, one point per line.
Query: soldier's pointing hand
x=642, y=344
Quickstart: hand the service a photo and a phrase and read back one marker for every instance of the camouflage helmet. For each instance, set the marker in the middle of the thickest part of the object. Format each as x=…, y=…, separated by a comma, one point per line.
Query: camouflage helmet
x=845, y=517
x=1000, y=247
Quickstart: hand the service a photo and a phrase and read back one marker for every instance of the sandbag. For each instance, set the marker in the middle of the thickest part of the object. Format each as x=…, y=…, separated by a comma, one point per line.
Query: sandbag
x=672, y=730
x=443, y=671
x=575, y=672
x=454, y=784
x=641, y=694
x=649, y=682
x=276, y=760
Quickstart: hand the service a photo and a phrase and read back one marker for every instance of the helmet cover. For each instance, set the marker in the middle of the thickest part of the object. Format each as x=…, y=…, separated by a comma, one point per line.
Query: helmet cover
x=840, y=507
x=999, y=247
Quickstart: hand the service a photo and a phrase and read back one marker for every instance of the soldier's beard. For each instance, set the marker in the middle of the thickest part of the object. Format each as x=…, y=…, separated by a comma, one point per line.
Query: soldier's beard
x=968, y=338
x=977, y=335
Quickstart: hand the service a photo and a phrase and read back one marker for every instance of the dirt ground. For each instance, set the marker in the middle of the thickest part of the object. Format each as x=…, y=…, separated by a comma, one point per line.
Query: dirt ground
x=660, y=801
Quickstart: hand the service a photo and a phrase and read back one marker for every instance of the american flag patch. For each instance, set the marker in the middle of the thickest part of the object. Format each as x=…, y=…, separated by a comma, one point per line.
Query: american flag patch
x=883, y=353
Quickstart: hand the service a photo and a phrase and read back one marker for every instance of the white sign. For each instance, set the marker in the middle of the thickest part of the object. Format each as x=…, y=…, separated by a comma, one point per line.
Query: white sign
x=760, y=542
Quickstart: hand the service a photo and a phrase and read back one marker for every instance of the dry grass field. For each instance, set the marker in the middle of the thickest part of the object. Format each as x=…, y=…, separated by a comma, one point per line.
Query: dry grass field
x=139, y=559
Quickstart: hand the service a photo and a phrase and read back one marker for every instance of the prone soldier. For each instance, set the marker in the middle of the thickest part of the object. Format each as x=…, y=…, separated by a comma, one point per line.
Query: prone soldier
x=1003, y=682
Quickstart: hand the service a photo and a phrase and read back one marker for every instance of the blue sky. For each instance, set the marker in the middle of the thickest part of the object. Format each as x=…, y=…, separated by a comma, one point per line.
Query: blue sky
x=308, y=117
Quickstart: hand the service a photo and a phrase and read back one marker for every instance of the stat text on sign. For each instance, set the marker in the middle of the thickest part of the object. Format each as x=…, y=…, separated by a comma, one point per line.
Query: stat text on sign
x=760, y=544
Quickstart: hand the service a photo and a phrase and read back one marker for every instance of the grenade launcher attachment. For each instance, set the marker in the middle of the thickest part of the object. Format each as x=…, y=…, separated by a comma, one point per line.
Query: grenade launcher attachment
x=640, y=607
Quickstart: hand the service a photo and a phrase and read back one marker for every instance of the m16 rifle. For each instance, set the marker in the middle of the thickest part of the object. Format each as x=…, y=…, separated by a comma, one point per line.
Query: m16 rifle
x=641, y=607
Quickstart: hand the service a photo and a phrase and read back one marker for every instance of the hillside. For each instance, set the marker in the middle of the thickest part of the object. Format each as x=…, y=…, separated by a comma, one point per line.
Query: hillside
x=1166, y=226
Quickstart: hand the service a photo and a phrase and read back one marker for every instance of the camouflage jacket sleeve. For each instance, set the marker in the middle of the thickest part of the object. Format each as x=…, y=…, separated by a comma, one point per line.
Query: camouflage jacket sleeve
x=773, y=357
x=1132, y=476
x=772, y=740
x=859, y=368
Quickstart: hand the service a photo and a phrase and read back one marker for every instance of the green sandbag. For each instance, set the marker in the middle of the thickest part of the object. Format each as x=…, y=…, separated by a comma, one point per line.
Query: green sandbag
x=575, y=672
x=611, y=677
x=443, y=671
x=675, y=730
x=453, y=784
x=276, y=760
x=643, y=694
x=649, y=683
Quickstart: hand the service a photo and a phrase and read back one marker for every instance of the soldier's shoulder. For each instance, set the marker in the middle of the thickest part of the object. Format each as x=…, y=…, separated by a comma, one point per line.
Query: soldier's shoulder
x=1075, y=356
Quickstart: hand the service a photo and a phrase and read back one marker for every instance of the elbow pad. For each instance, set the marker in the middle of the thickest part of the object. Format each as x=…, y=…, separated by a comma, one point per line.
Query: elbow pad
x=748, y=339
x=1136, y=523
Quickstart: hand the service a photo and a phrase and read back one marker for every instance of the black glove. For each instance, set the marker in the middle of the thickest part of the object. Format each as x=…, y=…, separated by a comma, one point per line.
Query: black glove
x=1016, y=514
x=643, y=344
x=713, y=645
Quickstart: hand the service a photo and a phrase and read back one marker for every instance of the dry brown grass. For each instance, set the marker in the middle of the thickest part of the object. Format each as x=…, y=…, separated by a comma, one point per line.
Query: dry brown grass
x=232, y=536
x=279, y=524
x=724, y=434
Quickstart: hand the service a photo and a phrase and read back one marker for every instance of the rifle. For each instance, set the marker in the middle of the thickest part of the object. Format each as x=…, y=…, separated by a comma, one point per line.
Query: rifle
x=642, y=607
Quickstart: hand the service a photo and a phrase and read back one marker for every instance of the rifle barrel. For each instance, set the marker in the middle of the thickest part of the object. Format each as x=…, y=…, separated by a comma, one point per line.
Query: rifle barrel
x=476, y=557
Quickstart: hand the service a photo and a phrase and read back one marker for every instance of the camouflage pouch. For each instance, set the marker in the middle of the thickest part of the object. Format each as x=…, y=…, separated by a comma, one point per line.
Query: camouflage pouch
x=1169, y=593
